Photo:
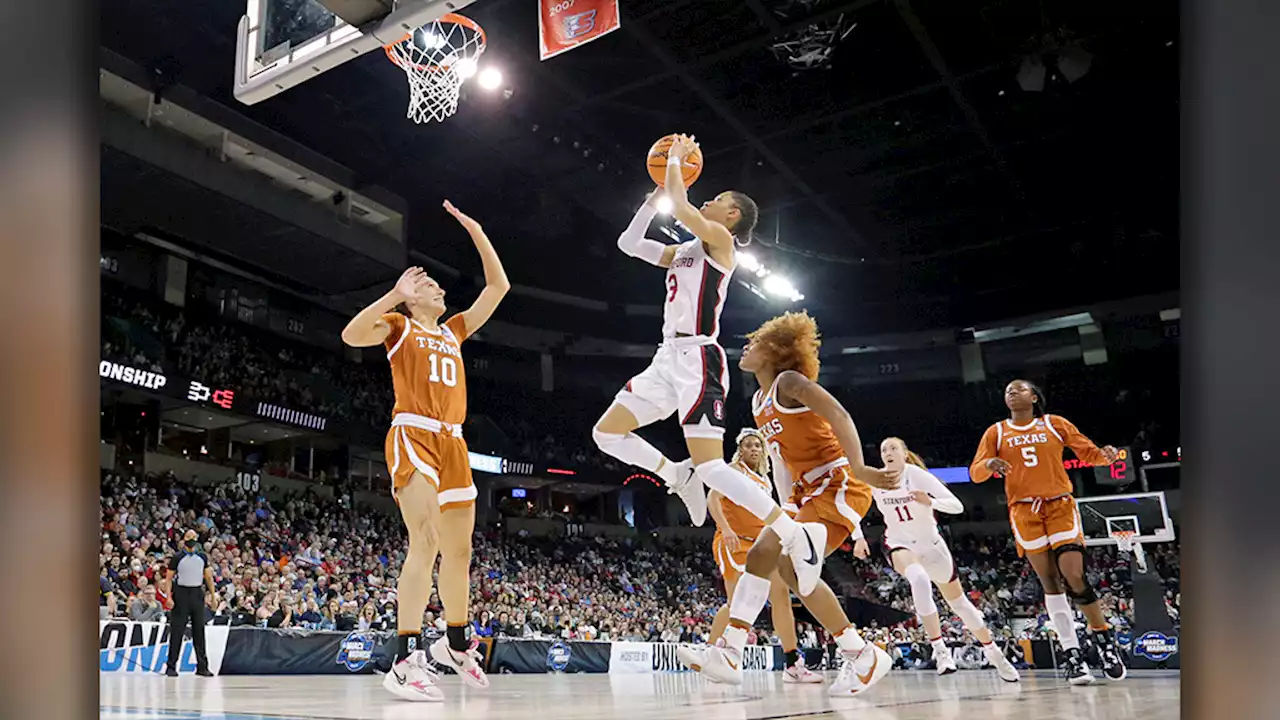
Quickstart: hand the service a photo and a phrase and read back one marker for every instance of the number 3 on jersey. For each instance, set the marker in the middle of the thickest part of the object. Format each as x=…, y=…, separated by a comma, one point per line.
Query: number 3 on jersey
x=444, y=369
x=1029, y=458
x=674, y=285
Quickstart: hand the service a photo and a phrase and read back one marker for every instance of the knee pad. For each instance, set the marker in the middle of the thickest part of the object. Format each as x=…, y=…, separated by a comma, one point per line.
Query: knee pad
x=967, y=612
x=604, y=439
x=921, y=589
x=1082, y=598
x=1064, y=549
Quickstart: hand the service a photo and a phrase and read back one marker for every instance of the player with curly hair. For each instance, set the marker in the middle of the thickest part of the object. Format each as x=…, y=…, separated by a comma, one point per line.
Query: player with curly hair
x=818, y=463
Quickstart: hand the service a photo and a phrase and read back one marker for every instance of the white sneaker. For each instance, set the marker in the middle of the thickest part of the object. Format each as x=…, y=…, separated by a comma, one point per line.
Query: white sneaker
x=466, y=664
x=722, y=664
x=807, y=549
x=414, y=679
x=691, y=656
x=798, y=673
x=1005, y=669
x=689, y=488
x=860, y=671
x=945, y=661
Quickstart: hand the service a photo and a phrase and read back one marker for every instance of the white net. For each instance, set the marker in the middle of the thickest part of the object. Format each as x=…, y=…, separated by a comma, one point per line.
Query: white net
x=1128, y=545
x=437, y=59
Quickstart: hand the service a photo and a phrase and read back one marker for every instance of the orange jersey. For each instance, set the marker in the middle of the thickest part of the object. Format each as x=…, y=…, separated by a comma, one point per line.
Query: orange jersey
x=426, y=368
x=1035, y=453
x=801, y=439
x=741, y=521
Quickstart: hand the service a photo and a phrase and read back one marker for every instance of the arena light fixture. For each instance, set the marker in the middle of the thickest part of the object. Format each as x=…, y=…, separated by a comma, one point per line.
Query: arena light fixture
x=490, y=78
x=779, y=286
x=467, y=68
x=664, y=205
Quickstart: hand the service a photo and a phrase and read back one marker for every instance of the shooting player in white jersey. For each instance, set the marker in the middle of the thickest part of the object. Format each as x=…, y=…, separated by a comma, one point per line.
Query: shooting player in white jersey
x=689, y=373
x=918, y=552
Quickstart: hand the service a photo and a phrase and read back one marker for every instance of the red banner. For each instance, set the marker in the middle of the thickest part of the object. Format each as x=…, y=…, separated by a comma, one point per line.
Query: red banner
x=566, y=24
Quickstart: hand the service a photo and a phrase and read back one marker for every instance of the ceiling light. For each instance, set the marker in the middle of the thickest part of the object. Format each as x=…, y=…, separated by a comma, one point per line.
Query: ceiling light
x=665, y=206
x=490, y=79
x=466, y=68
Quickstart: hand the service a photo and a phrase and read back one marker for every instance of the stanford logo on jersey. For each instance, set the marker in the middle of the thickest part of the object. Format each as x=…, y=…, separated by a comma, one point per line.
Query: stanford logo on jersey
x=683, y=262
x=718, y=409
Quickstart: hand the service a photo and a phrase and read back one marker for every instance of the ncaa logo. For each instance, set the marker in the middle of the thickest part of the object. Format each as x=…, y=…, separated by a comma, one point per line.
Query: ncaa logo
x=558, y=657
x=718, y=408
x=356, y=651
x=575, y=26
x=1155, y=646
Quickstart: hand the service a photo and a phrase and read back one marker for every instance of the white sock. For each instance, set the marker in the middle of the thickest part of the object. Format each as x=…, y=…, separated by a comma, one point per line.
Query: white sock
x=940, y=647
x=741, y=490
x=785, y=527
x=749, y=597
x=968, y=612
x=1059, y=609
x=850, y=641
x=921, y=589
x=634, y=450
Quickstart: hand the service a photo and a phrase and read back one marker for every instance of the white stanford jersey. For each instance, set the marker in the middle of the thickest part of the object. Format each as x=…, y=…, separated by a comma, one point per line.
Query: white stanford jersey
x=907, y=521
x=696, y=289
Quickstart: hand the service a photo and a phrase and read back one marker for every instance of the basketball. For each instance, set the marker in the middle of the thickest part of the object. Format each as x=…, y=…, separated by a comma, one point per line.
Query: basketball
x=692, y=166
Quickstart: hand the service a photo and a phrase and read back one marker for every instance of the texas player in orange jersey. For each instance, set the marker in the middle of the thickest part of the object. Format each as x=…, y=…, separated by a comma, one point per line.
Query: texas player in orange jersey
x=1027, y=450
x=431, y=474
x=736, y=531
x=818, y=463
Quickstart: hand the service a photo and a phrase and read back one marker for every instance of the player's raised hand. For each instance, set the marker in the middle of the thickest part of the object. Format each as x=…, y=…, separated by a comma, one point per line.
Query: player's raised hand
x=410, y=282
x=861, y=550
x=463, y=219
x=999, y=466
x=922, y=497
x=1111, y=454
x=682, y=147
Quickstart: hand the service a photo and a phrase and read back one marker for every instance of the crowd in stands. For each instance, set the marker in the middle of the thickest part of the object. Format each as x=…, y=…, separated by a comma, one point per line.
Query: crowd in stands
x=308, y=561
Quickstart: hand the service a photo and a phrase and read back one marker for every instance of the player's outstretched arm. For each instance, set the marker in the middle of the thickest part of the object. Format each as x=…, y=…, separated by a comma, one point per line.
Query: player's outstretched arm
x=368, y=328
x=986, y=461
x=714, y=235
x=942, y=499
x=496, y=284
x=633, y=242
x=797, y=387
x=1080, y=444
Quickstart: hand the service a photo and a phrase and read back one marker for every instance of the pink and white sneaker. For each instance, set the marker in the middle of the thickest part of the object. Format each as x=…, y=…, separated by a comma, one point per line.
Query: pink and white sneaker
x=466, y=664
x=414, y=679
x=798, y=673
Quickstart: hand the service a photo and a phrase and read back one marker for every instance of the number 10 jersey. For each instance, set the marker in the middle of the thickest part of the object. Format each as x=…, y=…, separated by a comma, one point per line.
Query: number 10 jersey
x=426, y=368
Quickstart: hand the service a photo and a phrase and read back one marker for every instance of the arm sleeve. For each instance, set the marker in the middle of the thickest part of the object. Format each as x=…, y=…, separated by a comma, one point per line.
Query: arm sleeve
x=1082, y=446
x=944, y=501
x=633, y=242
x=458, y=326
x=396, y=321
x=986, y=450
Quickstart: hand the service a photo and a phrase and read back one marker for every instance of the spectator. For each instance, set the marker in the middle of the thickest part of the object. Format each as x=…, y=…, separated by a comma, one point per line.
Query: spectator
x=144, y=607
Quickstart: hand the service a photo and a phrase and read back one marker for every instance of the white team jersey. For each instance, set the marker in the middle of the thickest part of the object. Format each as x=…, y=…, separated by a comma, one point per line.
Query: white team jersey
x=696, y=289
x=907, y=521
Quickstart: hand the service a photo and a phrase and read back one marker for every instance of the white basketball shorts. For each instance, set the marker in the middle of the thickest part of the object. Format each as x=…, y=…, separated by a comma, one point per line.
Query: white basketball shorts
x=691, y=379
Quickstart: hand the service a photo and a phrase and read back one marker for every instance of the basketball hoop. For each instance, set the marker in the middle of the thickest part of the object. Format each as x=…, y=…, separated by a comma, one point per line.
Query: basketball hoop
x=1127, y=543
x=437, y=58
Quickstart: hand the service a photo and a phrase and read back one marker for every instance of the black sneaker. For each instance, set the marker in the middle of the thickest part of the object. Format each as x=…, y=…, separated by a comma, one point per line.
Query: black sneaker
x=204, y=672
x=1077, y=670
x=1112, y=663
x=171, y=672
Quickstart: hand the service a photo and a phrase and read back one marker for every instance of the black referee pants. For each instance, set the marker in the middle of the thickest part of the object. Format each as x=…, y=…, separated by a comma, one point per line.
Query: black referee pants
x=188, y=606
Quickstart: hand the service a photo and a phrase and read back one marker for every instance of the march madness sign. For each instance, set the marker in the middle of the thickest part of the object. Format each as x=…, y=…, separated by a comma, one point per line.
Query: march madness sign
x=143, y=647
x=566, y=24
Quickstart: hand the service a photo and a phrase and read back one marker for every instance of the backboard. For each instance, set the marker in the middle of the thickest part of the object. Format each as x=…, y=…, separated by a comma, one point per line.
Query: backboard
x=1145, y=513
x=282, y=43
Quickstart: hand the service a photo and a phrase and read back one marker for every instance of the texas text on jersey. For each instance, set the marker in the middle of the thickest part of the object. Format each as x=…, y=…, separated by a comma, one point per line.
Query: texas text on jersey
x=696, y=289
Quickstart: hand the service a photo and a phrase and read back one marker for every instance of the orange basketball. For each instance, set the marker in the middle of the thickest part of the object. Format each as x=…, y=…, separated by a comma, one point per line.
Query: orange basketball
x=691, y=167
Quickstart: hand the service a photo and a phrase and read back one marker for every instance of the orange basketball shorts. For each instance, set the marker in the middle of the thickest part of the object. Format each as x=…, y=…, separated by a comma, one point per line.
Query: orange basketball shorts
x=732, y=564
x=836, y=500
x=439, y=455
x=1040, y=525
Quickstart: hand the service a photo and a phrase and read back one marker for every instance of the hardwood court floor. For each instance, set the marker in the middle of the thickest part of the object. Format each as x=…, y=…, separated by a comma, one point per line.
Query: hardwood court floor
x=904, y=695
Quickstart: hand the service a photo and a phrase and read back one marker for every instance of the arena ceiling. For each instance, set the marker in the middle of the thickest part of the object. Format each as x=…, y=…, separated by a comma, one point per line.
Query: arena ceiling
x=906, y=180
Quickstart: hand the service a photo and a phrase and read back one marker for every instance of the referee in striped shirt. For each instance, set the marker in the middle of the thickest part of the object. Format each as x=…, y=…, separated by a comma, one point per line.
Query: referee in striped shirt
x=188, y=573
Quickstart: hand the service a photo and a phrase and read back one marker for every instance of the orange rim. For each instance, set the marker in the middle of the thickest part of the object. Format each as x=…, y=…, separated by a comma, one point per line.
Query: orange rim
x=454, y=18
